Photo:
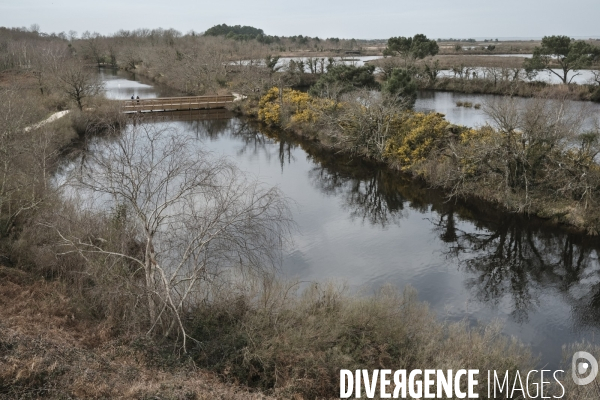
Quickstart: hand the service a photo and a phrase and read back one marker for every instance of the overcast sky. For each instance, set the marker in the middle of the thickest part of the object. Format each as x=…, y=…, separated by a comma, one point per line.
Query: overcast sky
x=360, y=19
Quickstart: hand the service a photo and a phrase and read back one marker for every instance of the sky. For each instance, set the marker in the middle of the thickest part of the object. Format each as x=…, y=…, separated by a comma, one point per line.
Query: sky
x=358, y=19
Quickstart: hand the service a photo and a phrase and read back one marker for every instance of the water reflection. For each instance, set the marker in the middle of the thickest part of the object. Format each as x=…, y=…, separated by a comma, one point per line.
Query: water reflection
x=364, y=198
x=121, y=85
x=510, y=258
x=445, y=103
x=365, y=224
x=506, y=258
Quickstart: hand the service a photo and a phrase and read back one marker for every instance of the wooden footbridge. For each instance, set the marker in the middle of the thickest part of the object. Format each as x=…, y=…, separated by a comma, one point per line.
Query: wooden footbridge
x=183, y=115
x=177, y=103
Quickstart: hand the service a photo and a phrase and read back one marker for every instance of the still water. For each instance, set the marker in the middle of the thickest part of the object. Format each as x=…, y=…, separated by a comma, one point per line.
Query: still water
x=363, y=225
x=321, y=62
x=119, y=85
x=580, y=77
x=445, y=103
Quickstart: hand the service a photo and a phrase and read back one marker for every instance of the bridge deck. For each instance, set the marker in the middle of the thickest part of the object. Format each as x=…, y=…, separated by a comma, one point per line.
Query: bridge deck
x=177, y=103
x=183, y=115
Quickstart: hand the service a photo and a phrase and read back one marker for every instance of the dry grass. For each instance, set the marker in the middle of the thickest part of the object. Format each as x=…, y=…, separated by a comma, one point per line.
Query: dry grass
x=449, y=61
x=501, y=47
x=267, y=336
x=49, y=350
x=516, y=88
x=294, y=344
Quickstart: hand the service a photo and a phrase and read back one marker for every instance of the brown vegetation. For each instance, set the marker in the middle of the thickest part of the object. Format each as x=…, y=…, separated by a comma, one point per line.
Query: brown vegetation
x=447, y=61
x=51, y=349
x=113, y=296
x=486, y=74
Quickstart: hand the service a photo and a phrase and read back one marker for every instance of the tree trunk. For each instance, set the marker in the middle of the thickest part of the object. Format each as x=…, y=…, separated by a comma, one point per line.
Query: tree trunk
x=150, y=281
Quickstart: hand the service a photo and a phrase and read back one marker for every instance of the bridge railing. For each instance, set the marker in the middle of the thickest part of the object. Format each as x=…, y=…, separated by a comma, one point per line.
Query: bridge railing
x=185, y=115
x=177, y=103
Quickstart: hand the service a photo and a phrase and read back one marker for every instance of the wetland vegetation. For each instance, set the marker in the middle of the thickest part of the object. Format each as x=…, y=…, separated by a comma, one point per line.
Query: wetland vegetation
x=171, y=269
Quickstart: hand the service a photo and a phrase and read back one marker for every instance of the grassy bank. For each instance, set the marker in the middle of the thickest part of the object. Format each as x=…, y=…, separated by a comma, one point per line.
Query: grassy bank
x=50, y=348
x=253, y=340
x=294, y=342
x=517, y=88
x=486, y=75
x=508, y=165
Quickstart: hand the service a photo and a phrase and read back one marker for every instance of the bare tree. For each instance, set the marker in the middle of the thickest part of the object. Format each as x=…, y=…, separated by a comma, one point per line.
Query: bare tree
x=47, y=60
x=199, y=68
x=21, y=187
x=93, y=47
x=365, y=122
x=530, y=153
x=250, y=80
x=77, y=81
x=595, y=80
x=195, y=218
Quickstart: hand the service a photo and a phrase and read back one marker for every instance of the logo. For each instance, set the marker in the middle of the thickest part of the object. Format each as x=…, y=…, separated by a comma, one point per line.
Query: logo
x=580, y=368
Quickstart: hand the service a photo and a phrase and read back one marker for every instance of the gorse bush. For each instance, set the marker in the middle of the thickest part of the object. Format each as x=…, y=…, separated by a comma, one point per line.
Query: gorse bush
x=283, y=107
x=290, y=342
x=418, y=135
x=269, y=107
x=300, y=103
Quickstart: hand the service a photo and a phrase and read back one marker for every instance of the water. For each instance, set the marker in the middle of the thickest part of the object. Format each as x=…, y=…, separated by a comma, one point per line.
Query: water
x=580, y=77
x=120, y=85
x=364, y=225
x=357, y=61
x=504, y=55
x=445, y=103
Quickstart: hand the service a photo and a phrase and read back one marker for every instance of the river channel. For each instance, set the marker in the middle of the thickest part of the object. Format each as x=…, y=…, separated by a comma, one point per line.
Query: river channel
x=365, y=226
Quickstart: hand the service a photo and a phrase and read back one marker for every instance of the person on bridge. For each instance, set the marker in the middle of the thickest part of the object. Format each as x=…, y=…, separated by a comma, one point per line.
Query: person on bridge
x=131, y=97
x=138, y=98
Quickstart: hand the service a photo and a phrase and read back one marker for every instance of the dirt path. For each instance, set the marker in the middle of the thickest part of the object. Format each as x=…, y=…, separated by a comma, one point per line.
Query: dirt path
x=51, y=118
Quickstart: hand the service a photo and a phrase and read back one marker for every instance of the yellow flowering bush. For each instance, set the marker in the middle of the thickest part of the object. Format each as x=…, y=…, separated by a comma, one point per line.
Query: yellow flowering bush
x=471, y=137
x=416, y=137
x=471, y=142
x=269, y=109
x=299, y=102
x=300, y=106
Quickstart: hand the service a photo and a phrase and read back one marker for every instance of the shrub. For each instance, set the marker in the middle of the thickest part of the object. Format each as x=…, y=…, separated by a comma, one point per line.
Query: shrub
x=401, y=87
x=418, y=135
x=269, y=107
x=596, y=95
x=104, y=115
x=290, y=106
x=296, y=343
x=341, y=79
